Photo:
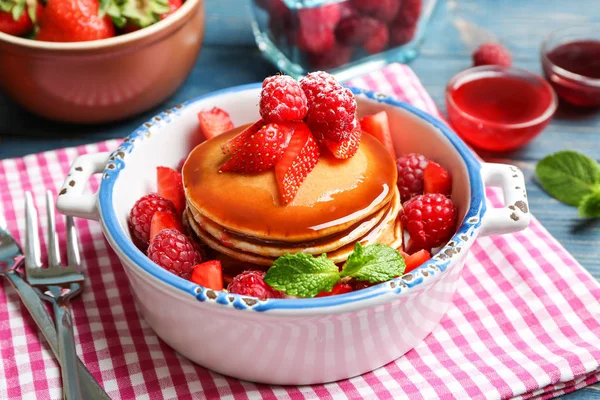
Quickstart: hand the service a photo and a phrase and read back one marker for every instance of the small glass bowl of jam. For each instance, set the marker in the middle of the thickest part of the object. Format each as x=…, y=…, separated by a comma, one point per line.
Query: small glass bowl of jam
x=571, y=63
x=499, y=108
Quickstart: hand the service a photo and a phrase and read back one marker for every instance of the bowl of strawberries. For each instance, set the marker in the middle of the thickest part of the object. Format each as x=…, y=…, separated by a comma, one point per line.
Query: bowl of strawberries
x=293, y=232
x=91, y=61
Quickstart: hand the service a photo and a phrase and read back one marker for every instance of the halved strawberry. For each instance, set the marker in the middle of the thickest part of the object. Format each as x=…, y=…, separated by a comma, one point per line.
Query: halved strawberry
x=378, y=125
x=208, y=274
x=261, y=149
x=415, y=260
x=347, y=147
x=339, y=288
x=213, y=122
x=236, y=142
x=297, y=161
x=436, y=179
x=164, y=220
x=170, y=186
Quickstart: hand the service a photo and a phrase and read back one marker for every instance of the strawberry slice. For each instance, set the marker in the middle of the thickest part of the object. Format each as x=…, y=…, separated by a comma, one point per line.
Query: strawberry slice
x=170, y=186
x=436, y=179
x=236, y=142
x=346, y=148
x=208, y=274
x=213, y=122
x=261, y=149
x=415, y=260
x=164, y=220
x=378, y=125
x=339, y=288
x=297, y=161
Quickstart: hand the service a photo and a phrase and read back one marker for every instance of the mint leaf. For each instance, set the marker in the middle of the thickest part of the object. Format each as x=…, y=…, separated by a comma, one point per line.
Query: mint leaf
x=303, y=275
x=589, y=207
x=374, y=263
x=569, y=176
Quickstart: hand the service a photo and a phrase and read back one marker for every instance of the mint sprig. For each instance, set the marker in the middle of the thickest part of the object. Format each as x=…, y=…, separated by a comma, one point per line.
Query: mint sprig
x=303, y=275
x=572, y=178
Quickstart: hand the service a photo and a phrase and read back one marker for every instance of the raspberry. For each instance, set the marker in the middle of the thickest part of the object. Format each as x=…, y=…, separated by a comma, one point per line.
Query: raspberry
x=409, y=12
x=354, y=31
x=430, y=220
x=315, y=41
x=339, y=55
x=316, y=28
x=378, y=40
x=400, y=34
x=141, y=215
x=331, y=112
x=492, y=54
x=173, y=251
x=282, y=99
x=252, y=283
x=316, y=82
x=383, y=10
x=410, y=175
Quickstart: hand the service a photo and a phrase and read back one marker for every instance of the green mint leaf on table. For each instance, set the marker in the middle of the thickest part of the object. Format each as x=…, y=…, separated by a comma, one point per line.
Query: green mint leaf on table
x=374, y=263
x=303, y=275
x=590, y=205
x=569, y=176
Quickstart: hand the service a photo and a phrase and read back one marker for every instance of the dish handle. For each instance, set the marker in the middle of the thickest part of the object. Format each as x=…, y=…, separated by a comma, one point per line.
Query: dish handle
x=514, y=216
x=71, y=199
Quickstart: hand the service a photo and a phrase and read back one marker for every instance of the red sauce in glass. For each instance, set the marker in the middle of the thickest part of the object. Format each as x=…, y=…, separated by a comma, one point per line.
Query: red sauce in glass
x=580, y=57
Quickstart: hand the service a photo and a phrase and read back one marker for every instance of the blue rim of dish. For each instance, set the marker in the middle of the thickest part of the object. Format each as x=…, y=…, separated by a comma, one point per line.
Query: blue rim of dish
x=435, y=266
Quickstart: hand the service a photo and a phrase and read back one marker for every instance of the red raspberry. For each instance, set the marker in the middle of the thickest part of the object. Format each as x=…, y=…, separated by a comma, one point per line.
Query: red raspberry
x=378, y=40
x=400, y=34
x=315, y=83
x=339, y=55
x=492, y=54
x=282, y=99
x=324, y=17
x=316, y=28
x=315, y=41
x=331, y=113
x=252, y=283
x=430, y=220
x=354, y=31
x=409, y=12
x=173, y=251
x=141, y=215
x=410, y=175
x=383, y=10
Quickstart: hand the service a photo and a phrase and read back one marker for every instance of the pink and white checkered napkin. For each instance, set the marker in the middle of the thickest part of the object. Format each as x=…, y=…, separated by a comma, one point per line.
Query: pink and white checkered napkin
x=525, y=321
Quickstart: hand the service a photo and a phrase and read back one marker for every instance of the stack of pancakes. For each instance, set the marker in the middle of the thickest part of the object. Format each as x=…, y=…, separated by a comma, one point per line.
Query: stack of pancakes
x=341, y=202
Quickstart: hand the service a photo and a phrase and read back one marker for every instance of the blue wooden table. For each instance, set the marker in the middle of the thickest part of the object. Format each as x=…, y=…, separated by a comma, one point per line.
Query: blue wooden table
x=520, y=25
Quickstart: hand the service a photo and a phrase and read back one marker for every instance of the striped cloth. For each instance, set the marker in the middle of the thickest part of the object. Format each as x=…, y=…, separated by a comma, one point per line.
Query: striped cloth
x=524, y=323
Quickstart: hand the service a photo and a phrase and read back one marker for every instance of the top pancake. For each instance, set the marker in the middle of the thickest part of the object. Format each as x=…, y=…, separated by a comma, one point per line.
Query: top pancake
x=334, y=196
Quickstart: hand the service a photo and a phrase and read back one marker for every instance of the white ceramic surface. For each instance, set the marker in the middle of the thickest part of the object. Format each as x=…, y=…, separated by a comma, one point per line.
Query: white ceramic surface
x=301, y=341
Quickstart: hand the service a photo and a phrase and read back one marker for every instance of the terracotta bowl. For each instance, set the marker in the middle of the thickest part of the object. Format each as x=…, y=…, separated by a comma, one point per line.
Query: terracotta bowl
x=104, y=80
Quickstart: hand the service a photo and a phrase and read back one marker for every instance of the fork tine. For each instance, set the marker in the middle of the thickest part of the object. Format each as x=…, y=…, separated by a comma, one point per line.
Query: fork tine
x=53, y=251
x=73, y=255
x=32, y=239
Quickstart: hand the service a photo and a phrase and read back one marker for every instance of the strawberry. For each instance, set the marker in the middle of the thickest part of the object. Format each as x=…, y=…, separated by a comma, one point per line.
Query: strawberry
x=260, y=149
x=378, y=125
x=436, y=179
x=162, y=220
x=415, y=260
x=236, y=142
x=74, y=21
x=16, y=18
x=339, y=288
x=170, y=186
x=297, y=161
x=174, y=5
x=347, y=147
x=208, y=274
x=213, y=122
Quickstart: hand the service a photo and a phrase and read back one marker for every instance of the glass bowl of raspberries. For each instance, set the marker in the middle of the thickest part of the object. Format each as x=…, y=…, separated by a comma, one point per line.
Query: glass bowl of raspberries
x=258, y=221
x=343, y=37
x=91, y=61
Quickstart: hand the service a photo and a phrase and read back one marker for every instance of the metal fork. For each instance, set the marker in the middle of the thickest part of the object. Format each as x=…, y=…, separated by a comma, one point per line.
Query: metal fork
x=57, y=284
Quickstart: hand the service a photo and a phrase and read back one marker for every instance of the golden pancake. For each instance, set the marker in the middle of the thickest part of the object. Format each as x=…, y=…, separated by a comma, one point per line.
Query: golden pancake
x=335, y=196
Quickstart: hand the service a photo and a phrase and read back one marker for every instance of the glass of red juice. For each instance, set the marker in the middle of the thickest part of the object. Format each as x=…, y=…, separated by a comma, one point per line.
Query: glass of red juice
x=571, y=63
x=499, y=108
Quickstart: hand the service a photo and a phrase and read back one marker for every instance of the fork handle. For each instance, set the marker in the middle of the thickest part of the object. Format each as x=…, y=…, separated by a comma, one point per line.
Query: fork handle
x=66, y=351
x=36, y=309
